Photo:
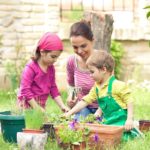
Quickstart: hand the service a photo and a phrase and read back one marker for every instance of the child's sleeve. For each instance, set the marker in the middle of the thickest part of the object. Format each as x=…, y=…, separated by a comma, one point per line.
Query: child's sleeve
x=26, y=82
x=126, y=94
x=91, y=97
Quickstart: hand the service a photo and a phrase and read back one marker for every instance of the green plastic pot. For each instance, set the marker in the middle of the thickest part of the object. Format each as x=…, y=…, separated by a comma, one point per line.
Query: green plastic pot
x=10, y=125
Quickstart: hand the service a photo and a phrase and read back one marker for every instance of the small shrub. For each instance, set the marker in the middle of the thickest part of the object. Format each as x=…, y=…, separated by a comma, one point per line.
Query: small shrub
x=117, y=52
x=15, y=66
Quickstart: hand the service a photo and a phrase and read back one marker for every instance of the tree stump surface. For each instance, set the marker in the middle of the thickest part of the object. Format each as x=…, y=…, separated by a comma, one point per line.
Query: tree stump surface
x=102, y=27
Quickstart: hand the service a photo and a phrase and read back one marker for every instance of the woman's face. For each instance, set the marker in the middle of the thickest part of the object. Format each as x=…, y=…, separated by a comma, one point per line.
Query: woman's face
x=49, y=58
x=82, y=46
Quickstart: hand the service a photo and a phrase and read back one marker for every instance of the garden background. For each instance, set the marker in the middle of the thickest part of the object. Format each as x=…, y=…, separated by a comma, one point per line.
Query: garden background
x=22, y=22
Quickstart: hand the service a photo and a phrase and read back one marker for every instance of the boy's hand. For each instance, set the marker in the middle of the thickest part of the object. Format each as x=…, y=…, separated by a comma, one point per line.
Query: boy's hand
x=65, y=115
x=129, y=124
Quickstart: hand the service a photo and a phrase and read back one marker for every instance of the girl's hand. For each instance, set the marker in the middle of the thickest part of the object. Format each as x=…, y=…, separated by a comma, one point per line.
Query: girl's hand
x=65, y=108
x=128, y=125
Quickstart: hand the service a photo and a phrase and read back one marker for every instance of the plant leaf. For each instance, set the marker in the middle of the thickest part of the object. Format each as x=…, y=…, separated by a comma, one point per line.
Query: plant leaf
x=148, y=15
x=147, y=7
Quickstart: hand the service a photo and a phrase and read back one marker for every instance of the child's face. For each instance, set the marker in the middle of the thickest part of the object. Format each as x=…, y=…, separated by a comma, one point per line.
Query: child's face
x=82, y=46
x=50, y=58
x=97, y=74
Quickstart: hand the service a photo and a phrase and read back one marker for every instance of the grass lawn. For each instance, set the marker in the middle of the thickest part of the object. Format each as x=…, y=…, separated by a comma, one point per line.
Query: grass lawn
x=141, y=111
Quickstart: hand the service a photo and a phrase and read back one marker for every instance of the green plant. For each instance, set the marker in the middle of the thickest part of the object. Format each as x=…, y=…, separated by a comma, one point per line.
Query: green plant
x=91, y=119
x=70, y=135
x=34, y=118
x=15, y=66
x=117, y=52
x=57, y=119
x=148, y=12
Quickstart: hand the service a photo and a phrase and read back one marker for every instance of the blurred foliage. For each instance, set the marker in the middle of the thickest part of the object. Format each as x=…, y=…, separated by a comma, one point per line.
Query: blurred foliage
x=148, y=12
x=15, y=66
x=73, y=16
x=117, y=52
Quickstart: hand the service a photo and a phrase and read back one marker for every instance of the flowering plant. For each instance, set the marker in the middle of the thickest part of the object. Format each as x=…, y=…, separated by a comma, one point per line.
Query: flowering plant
x=69, y=134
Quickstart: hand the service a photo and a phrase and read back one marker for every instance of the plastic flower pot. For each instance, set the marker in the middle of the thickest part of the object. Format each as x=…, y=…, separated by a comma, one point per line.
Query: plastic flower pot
x=10, y=125
x=49, y=128
x=144, y=125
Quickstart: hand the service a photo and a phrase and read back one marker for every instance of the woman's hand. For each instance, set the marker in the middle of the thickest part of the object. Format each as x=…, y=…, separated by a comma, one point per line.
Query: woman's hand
x=128, y=124
x=72, y=100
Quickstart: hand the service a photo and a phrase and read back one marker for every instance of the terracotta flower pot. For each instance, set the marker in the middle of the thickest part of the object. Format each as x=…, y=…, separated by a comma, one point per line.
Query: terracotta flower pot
x=33, y=131
x=64, y=146
x=82, y=146
x=102, y=135
x=144, y=125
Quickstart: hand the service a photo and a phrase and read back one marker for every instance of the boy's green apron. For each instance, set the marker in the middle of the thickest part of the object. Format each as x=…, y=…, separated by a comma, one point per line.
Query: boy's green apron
x=113, y=114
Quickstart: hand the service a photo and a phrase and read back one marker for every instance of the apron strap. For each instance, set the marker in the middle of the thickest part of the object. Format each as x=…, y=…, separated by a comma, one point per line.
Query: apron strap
x=110, y=85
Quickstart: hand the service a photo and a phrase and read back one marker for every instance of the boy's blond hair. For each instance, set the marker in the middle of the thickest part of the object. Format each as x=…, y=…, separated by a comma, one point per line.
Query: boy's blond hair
x=100, y=59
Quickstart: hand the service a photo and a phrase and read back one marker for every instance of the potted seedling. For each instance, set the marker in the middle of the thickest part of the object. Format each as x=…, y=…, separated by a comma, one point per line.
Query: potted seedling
x=32, y=136
x=53, y=120
x=69, y=137
x=34, y=120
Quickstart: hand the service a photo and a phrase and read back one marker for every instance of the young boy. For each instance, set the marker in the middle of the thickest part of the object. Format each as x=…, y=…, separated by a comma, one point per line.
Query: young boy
x=113, y=96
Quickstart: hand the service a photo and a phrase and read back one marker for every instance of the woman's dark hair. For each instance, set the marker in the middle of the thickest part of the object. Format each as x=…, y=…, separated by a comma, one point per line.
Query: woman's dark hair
x=82, y=28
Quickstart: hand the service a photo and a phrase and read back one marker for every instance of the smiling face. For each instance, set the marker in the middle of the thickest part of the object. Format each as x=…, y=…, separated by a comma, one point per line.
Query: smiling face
x=50, y=57
x=82, y=46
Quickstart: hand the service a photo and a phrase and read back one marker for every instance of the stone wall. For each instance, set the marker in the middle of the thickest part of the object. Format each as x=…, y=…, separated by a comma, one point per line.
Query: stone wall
x=23, y=22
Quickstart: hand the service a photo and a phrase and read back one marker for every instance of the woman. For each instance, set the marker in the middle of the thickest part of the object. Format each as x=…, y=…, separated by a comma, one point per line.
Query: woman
x=78, y=75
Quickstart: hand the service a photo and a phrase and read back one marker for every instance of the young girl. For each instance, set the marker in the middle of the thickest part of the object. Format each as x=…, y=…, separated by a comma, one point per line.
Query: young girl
x=38, y=77
x=114, y=97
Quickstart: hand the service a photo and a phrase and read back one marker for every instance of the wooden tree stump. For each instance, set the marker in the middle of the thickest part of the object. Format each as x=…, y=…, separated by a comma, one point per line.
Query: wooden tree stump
x=102, y=27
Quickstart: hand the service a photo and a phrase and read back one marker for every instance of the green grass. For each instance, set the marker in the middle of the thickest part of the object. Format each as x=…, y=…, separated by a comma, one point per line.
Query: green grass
x=141, y=111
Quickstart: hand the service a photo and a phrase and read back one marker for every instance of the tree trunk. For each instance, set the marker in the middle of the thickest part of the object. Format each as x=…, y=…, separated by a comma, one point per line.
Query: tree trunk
x=102, y=27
